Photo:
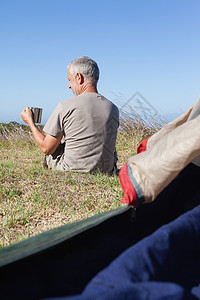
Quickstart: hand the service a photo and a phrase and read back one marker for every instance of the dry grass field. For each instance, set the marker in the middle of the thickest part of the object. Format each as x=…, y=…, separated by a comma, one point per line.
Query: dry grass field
x=33, y=199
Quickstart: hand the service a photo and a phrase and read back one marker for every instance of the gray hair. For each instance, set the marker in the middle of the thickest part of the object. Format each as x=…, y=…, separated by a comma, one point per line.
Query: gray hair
x=87, y=67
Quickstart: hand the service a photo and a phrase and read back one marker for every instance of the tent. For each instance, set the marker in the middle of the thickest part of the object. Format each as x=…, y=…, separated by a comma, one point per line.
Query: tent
x=87, y=259
x=62, y=261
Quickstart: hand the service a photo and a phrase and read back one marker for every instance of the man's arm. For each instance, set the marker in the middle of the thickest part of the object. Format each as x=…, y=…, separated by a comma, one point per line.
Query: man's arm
x=48, y=144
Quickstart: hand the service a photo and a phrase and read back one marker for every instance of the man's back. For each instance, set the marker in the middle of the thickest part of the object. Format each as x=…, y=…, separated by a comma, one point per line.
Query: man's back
x=89, y=125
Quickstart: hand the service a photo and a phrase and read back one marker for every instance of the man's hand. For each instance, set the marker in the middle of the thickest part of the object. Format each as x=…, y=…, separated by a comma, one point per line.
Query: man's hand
x=26, y=116
x=48, y=144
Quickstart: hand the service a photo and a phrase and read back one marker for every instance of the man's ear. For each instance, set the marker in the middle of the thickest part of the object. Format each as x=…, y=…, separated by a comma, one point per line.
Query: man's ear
x=80, y=78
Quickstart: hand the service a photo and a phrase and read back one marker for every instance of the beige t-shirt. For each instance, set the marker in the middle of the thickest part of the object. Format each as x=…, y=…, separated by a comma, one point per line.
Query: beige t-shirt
x=88, y=123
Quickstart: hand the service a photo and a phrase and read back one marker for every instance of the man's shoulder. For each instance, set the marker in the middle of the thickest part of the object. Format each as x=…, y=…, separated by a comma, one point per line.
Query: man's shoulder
x=86, y=99
x=74, y=99
x=67, y=101
x=107, y=100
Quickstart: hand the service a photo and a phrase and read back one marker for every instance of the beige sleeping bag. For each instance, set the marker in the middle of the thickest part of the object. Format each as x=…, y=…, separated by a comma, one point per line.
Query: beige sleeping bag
x=164, y=156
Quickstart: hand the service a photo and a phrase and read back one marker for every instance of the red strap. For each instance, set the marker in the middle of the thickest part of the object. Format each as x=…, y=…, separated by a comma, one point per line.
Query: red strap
x=142, y=146
x=130, y=196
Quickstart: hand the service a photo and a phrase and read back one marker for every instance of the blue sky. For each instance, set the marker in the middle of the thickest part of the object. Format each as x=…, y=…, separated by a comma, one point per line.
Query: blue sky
x=149, y=46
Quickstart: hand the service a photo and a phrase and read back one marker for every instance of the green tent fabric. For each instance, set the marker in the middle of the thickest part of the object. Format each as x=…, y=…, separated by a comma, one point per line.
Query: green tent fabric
x=51, y=238
x=61, y=261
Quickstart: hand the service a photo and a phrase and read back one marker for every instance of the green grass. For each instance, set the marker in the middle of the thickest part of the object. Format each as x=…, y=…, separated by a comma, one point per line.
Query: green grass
x=33, y=199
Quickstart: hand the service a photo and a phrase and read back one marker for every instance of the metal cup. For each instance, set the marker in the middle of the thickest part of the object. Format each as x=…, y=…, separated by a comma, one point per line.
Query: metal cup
x=37, y=114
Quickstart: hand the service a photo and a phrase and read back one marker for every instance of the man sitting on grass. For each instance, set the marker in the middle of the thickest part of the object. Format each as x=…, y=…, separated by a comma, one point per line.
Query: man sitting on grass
x=86, y=123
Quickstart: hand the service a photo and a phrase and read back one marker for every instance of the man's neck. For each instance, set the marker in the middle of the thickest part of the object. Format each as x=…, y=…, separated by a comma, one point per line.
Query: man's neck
x=88, y=88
